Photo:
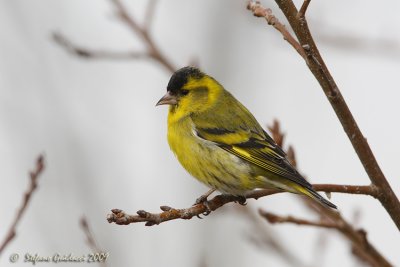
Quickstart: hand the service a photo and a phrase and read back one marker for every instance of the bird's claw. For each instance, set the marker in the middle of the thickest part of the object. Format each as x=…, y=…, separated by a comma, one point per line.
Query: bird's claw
x=241, y=200
x=203, y=200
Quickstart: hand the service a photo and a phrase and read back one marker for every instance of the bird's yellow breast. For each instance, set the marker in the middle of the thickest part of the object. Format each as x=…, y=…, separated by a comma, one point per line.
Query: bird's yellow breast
x=206, y=161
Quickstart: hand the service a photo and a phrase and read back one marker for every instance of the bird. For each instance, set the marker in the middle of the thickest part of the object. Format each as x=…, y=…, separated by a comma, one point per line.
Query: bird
x=219, y=142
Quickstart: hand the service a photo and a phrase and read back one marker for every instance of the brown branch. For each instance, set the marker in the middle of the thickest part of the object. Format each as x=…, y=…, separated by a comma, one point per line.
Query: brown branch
x=279, y=138
x=277, y=135
x=358, y=237
x=364, y=251
x=266, y=13
x=370, y=190
x=303, y=9
x=34, y=175
x=317, y=66
x=152, y=49
x=143, y=33
x=96, y=54
x=90, y=240
x=120, y=217
x=273, y=218
x=265, y=238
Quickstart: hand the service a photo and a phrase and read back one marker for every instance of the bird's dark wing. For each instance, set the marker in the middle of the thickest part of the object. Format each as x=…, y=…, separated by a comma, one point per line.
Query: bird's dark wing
x=254, y=147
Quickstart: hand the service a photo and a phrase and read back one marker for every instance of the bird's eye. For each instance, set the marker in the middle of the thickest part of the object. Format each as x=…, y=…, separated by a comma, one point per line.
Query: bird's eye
x=184, y=92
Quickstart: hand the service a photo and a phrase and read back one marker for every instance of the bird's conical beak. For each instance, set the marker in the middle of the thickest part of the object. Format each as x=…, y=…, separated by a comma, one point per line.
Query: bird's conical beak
x=167, y=99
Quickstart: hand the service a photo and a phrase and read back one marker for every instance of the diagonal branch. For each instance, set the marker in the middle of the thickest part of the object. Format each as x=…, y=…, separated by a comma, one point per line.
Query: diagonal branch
x=143, y=33
x=332, y=219
x=152, y=50
x=273, y=218
x=266, y=13
x=303, y=9
x=91, y=241
x=264, y=238
x=358, y=237
x=34, y=175
x=317, y=66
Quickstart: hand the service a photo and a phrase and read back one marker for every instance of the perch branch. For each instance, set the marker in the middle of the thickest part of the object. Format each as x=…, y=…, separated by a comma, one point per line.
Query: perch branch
x=316, y=64
x=34, y=175
x=120, y=217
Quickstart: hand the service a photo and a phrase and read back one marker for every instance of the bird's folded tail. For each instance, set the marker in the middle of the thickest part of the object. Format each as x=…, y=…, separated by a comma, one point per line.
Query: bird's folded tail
x=314, y=195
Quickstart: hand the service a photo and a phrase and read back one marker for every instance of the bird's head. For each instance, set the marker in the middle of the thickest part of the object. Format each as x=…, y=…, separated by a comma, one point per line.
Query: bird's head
x=190, y=91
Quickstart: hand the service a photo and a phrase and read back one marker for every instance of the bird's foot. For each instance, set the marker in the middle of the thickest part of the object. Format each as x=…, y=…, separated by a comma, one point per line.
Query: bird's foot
x=207, y=211
x=241, y=200
x=203, y=200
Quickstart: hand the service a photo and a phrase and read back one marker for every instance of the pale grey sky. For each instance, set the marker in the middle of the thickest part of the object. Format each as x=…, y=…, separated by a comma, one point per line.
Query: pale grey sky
x=105, y=142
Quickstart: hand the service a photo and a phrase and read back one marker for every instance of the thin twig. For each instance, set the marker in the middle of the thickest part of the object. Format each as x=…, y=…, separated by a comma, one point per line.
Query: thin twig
x=91, y=241
x=263, y=237
x=34, y=175
x=152, y=50
x=359, y=240
x=303, y=9
x=369, y=190
x=276, y=133
x=143, y=32
x=266, y=13
x=96, y=54
x=273, y=218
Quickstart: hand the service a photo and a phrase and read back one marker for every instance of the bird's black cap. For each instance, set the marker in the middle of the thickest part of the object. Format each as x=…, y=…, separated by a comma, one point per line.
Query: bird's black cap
x=181, y=77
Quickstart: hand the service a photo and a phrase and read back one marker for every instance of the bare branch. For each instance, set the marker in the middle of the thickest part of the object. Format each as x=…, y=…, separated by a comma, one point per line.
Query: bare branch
x=276, y=133
x=34, y=175
x=266, y=13
x=96, y=54
x=333, y=219
x=317, y=66
x=273, y=218
x=152, y=50
x=120, y=217
x=144, y=34
x=303, y=9
x=265, y=238
x=370, y=190
x=359, y=240
x=91, y=241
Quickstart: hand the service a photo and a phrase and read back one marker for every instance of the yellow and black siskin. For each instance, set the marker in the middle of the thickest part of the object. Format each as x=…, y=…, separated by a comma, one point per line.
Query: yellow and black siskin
x=219, y=142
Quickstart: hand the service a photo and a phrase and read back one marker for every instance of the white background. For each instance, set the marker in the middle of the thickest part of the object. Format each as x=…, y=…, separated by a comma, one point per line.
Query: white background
x=105, y=143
